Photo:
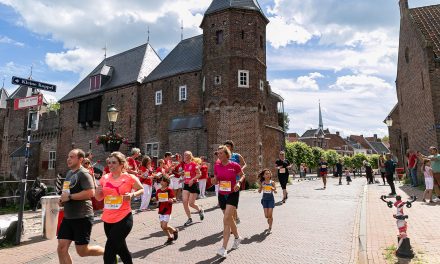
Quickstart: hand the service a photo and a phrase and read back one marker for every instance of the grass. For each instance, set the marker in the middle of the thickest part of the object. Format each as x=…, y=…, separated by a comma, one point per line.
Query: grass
x=12, y=209
x=391, y=258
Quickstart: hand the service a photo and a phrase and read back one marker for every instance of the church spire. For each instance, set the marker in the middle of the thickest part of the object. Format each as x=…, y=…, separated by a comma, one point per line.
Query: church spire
x=321, y=125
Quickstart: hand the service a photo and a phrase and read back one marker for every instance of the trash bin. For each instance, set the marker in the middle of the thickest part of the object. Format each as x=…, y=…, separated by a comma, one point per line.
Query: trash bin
x=400, y=172
x=49, y=210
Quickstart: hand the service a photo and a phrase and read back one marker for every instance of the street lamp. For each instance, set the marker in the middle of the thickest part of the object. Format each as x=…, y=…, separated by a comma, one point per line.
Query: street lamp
x=389, y=121
x=112, y=114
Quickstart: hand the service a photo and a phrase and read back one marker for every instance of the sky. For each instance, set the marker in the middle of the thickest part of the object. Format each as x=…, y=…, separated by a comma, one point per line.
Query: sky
x=342, y=53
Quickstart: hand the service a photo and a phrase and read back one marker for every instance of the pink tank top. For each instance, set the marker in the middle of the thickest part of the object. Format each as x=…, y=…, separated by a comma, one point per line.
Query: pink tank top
x=115, y=208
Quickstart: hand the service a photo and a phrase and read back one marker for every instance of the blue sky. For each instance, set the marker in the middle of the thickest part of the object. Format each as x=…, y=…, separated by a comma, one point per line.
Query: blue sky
x=342, y=52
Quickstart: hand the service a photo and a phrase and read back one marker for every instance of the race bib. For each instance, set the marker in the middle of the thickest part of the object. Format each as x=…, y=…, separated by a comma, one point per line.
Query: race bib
x=283, y=170
x=163, y=197
x=225, y=186
x=66, y=186
x=323, y=166
x=113, y=202
x=188, y=174
x=267, y=189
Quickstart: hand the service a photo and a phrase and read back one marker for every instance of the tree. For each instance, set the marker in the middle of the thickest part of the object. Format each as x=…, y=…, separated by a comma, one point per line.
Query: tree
x=317, y=153
x=53, y=106
x=332, y=157
x=358, y=160
x=374, y=160
x=348, y=162
x=286, y=121
x=386, y=139
x=298, y=152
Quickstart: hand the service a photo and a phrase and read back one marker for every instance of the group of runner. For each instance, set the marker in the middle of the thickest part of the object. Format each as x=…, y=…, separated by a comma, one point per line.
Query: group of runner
x=125, y=179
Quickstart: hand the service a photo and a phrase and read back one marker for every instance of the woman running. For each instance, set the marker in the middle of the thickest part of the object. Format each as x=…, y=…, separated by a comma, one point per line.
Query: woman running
x=191, y=187
x=225, y=172
x=283, y=166
x=116, y=190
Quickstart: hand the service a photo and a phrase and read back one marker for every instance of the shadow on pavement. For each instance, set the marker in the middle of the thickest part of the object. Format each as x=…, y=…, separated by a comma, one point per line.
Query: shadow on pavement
x=157, y=234
x=257, y=238
x=32, y=240
x=215, y=259
x=144, y=253
x=206, y=241
x=279, y=203
x=319, y=189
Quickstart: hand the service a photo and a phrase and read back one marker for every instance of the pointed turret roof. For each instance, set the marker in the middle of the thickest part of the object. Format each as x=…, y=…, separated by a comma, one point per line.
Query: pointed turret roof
x=219, y=5
x=321, y=125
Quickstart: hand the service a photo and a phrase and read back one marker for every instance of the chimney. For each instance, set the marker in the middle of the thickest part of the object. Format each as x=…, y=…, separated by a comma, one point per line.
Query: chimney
x=337, y=133
x=403, y=4
x=375, y=137
x=362, y=136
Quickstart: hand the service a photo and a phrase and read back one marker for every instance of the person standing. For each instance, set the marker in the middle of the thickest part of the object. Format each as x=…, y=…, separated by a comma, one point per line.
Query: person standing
x=339, y=170
x=429, y=180
x=323, y=169
x=116, y=190
x=78, y=188
x=133, y=167
x=435, y=165
x=204, y=177
x=190, y=187
x=177, y=179
x=390, y=167
x=283, y=166
x=146, y=178
x=369, y=172
x=225, y=173
x=412, y=167
x=381, y=166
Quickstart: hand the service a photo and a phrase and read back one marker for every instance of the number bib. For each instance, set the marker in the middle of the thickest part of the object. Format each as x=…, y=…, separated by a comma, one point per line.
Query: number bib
x=324, y=166
x=163, y=197
x=66, y=186
x=225, y=186
x=188, y=174
x=267, y=189
x=113, y=202
x=283, y=170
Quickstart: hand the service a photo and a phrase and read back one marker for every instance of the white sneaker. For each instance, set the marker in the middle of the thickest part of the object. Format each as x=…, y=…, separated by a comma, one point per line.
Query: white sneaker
x=435, y=200
x=222, y=252
x=237, y=242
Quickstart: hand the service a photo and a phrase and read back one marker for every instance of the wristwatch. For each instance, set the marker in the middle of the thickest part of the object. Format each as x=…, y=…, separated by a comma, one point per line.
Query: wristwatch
x=70, y=197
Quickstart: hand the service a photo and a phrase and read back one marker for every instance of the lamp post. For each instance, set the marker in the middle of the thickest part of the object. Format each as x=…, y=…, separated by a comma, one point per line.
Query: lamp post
x=389, y=123
x=112, y=115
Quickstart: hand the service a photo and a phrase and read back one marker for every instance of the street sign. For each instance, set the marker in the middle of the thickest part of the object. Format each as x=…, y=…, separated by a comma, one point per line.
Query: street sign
x=34, y=84
x=21, y=103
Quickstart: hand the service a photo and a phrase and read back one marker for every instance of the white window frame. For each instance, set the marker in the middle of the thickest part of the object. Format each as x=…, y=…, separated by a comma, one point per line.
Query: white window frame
x=183, y=93
x=52, y=160
x=245, y=74
x=261, y=85
x=156, y=97
x=150, y=151
x=217, y=80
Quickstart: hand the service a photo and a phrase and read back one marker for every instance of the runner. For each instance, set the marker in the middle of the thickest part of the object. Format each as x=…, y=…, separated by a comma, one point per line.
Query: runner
x=283, y=166
x=237, y=158
x=225, y=173
x=146, y=178
x=323, y=171
x=116, y=191
x=190, y=187
x=268, y=200
x=76, y=226
x=165, y=196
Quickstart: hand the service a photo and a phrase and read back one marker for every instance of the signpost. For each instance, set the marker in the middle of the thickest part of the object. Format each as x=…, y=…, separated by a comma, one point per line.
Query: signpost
x=29, y=102
x=22, y=103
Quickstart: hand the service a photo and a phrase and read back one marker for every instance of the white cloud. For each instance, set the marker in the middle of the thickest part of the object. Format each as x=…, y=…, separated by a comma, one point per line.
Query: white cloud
x=281, y=32
x=307, y=83
x=77, y=60
x=7, y=40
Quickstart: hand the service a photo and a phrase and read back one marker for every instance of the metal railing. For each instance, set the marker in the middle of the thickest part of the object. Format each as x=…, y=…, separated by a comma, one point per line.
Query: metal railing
x=28, y=181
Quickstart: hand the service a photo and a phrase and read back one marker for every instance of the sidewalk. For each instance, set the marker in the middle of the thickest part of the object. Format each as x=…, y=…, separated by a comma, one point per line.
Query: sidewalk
x=423, y=226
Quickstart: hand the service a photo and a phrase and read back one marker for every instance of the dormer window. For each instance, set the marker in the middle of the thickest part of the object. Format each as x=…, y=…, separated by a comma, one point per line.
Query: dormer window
x=95, y=82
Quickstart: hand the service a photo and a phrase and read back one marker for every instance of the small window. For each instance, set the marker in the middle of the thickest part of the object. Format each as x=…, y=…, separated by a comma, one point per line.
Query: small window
x=95, y=82
x=219, y=37
x=182, y=93
x=243, y=78
x=261, y=85
x=217, y=80
x=52, y=159
x=152, y=149
x=158, y=97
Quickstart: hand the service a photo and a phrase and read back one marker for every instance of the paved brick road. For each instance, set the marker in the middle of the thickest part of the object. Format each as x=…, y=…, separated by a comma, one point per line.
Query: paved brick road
x=314, y=226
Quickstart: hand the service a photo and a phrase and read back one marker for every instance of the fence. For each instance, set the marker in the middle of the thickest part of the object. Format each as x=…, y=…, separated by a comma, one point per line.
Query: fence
x=14, y=196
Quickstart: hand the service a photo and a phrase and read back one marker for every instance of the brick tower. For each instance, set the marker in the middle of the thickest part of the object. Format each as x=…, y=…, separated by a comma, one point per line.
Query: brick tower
x=239, y=104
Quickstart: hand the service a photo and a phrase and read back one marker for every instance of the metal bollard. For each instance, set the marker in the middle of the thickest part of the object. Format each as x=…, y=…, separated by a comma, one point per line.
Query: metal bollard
x=50, y=210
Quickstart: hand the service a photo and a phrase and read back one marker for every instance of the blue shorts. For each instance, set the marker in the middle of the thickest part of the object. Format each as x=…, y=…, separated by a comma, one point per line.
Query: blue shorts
x=268, y=203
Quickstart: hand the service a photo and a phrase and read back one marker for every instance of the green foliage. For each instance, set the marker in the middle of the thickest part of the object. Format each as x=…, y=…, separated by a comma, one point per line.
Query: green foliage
x=298, y=152
x=53, y=107
x=348, y=162
x=317, y=153
x=332, y=157
x=386, y=139
x=374, y=160
x=358, y=159
x=286, y=121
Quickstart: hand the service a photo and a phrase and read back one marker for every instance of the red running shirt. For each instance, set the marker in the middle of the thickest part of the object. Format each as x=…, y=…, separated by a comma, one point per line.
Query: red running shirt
x=144, y=173
x=190, y=171
x=204, y=171
x=165, y=207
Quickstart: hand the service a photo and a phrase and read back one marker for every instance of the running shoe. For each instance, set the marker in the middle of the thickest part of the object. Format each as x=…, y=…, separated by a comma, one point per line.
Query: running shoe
x=202, y=214
x=175, y=235
x=269, y=231
x=169, y=241
x=222, y=253
x=188, y=222
x=237, y=242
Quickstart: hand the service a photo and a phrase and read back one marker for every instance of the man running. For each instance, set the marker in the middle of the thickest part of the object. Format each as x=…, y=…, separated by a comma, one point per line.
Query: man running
x=78, y=188
x=323, y=168
x=237, y=158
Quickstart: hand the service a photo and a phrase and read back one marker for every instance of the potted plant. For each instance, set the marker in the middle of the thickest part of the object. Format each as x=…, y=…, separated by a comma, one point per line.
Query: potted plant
x=111, y=142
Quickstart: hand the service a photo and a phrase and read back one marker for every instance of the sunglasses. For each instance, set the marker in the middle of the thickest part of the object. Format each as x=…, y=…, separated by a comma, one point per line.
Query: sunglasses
x=87, y=163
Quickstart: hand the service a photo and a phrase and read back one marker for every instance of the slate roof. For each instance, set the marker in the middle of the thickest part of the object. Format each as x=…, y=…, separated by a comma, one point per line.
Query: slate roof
x=379, y=147
x=312, y=132
x=182, y=123
x=337, y=142
x=128, y=67
x=187, y=56
x=21, y=92
x=219, y=5
x=427, y=19
x=361, y=140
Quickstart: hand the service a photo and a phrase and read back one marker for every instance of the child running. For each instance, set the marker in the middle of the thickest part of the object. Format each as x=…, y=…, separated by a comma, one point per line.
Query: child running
x=165, y=197
x=347, y=175
x=268, y=200
x=429, y=180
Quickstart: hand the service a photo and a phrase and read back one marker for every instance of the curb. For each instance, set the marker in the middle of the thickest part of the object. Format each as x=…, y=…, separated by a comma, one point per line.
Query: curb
x=362, y=235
